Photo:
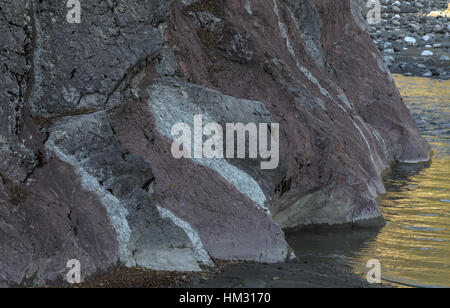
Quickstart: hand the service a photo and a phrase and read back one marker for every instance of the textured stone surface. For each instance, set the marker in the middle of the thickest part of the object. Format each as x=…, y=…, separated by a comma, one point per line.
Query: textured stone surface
x=55, y=222
x=86, y=112
x=338, y=135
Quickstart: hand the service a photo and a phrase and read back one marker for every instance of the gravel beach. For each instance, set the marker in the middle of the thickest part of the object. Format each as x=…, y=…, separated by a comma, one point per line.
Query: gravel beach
x=414, y=37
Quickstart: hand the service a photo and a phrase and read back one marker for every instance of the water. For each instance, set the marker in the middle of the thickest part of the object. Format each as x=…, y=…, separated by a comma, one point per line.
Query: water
x=414, y=246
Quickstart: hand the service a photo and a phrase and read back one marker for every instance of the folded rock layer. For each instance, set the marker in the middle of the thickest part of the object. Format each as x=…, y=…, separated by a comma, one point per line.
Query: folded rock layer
x=85, y=131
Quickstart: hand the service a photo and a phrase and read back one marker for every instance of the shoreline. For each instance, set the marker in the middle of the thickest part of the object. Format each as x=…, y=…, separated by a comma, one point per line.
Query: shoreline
x=308, y=272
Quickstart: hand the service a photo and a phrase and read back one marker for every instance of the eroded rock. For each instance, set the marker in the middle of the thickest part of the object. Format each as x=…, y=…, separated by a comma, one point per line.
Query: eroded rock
x=86, y=169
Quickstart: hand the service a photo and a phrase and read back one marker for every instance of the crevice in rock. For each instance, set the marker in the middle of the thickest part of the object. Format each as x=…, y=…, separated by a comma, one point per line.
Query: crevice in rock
x=147, y=184
x=130, y=73
x=283, y=187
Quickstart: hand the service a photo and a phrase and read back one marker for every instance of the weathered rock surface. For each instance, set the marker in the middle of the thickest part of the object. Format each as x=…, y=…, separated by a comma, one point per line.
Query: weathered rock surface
x=87, y=109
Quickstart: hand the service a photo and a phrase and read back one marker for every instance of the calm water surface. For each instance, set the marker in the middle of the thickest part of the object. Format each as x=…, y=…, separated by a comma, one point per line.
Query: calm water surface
x=414, y=246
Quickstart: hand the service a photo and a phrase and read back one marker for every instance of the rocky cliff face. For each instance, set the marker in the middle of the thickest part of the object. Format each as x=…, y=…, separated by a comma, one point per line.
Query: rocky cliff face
x=85, y=131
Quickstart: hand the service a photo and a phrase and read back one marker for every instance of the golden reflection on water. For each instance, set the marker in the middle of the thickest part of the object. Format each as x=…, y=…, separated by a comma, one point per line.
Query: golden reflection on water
x=414, y=247
x=445, y=13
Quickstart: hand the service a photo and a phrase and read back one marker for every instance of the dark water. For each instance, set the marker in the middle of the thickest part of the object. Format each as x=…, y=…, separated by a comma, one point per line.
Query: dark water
x=414, y=246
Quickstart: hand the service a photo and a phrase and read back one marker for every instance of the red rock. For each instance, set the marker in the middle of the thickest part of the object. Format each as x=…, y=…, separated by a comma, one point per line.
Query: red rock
x=86, y=170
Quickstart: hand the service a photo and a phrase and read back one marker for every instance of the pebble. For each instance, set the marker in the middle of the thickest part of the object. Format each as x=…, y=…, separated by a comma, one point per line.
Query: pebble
x=389, y=60
x=426, y=53
x=410, y=40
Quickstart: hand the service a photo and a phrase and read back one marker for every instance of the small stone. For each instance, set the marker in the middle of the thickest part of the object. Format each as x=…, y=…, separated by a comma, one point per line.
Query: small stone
x=275, y=278
x=437, y=28
x=389, y=60
x=410, y=40
x=415, y=27
x=430, y=62
x=426, y=53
